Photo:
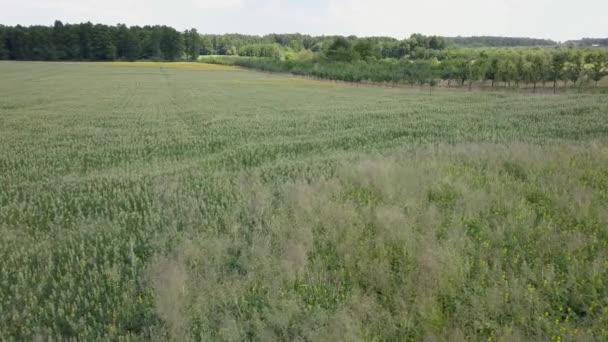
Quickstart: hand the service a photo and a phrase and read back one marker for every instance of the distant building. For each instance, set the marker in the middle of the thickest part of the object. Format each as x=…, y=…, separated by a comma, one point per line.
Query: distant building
x=595, y=45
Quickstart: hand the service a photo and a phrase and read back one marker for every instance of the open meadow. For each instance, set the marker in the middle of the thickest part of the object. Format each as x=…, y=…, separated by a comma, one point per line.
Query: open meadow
x=185, y=201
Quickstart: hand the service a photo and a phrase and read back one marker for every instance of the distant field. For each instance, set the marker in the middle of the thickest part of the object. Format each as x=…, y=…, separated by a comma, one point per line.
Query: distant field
x=189, y=201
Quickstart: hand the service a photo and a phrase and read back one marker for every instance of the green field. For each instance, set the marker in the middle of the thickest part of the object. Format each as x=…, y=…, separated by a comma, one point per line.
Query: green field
x=189, y=201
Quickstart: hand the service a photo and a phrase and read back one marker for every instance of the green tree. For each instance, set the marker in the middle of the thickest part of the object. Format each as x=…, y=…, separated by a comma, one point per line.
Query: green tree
x=520, y=67
x=270, y=51
x=597, y=62
x=574, y=68
x=558, y=61
x=252, y=50
x=207, y=46
x=341, y=50
x=15, y=42
x=474, y=71
x=39, y=43
x=507, y=70
x=394, y=49
x=85, y=32
x=491, y=67
x=128, y=45
x=3, y=48
x=150, y=43
x=437, y=43
x=102, y=44
x=366, y=49
x=469, y=70
x=66, y=41
x=424, y=72
x=538, y=68
x=232, y=51
x=171, y=43
x=527, y=72
x=449, y=71
x=296, y=45
x=59, y=40
x=192, y=44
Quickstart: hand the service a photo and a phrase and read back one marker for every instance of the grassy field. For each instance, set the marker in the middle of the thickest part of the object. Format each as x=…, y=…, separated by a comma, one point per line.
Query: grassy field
x=188, y=201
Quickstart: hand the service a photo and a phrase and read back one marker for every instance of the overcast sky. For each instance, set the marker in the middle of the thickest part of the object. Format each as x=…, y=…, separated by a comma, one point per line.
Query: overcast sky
x=556, y=19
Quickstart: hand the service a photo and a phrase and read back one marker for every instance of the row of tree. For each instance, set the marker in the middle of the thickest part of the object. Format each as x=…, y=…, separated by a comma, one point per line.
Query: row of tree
x=461, y=67
x=533, y=66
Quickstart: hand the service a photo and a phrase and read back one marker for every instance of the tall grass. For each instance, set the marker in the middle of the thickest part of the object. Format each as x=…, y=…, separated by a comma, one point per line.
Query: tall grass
x=469, y=241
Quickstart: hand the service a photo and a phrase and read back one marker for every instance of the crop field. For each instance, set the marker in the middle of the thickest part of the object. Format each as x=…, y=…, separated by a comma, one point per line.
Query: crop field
x=176, y=201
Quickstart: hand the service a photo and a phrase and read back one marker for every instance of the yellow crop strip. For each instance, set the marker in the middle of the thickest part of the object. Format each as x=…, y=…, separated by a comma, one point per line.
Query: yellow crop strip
x=175, y=65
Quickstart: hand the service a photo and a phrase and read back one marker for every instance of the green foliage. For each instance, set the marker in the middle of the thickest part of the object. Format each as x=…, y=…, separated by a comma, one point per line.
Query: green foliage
x=598, y=61
x=102, y=46
x=261, y=50
x=128, y=45
x=366, y=49
x=192, y=44
x=171, y=43
x=341, y=50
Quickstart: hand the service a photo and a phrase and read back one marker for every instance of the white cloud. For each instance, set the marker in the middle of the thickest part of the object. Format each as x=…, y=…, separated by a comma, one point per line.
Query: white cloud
x=445, y=17
x=217, y=4
x=557, y=19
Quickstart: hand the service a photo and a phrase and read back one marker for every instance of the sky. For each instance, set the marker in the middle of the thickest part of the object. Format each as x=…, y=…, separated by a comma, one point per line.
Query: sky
x=554, y=19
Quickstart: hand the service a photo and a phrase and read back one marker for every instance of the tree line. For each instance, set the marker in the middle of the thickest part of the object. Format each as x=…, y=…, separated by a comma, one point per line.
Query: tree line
x=588, y=42
x=383, y=47
x=87, y=41
x=511, y=68
x=507, y=68
x=489, y=41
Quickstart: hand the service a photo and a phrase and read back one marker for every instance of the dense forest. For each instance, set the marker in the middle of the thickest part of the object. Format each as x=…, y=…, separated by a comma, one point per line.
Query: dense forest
x=419, y=59
x=86, y=41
